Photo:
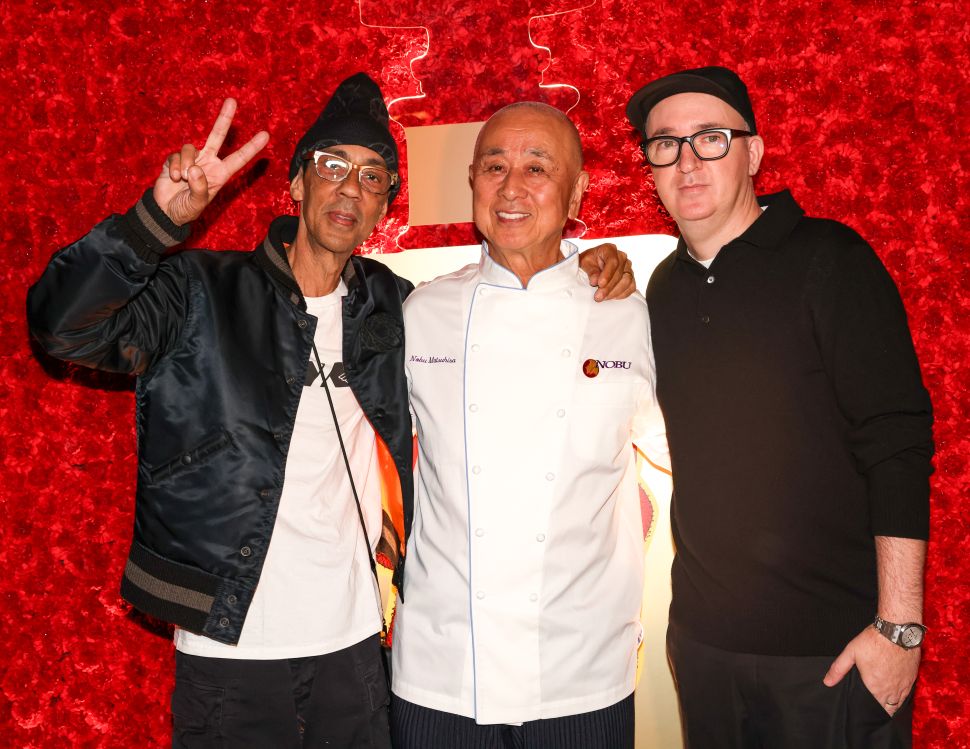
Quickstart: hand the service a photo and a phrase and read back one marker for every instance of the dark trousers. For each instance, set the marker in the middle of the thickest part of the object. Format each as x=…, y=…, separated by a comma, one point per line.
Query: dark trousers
x=416, y=727
x=338, y=700
x=742, y=701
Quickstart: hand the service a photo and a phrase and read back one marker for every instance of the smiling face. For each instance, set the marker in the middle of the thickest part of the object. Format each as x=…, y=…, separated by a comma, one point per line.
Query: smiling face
x=699, y=191
x=336, y=217
x=527, y=180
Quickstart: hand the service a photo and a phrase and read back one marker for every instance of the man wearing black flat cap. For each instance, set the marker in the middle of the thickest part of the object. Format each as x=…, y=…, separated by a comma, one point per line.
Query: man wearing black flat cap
x=268, y=384
x=800, y=440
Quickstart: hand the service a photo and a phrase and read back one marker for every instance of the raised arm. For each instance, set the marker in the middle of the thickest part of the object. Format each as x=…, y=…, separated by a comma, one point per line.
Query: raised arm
x=107, y=301
x=191, y=178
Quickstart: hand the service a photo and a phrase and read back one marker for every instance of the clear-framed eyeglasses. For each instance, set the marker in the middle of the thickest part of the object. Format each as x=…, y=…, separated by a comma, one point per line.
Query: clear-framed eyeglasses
x=708, y=145
x=333, y=168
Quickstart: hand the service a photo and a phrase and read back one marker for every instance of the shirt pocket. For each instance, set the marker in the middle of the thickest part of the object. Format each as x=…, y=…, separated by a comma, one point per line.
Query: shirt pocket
x=196, y=711
x=615, y=394
x=190, y=459
x=602, y=415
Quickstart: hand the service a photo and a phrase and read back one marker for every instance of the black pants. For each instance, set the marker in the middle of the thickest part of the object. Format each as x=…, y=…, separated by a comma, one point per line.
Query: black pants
x=338, y=700
x=416, y=727
x=741, y=701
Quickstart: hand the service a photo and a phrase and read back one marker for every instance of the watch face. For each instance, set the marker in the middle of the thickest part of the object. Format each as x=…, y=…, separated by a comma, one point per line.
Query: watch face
x=911, y=636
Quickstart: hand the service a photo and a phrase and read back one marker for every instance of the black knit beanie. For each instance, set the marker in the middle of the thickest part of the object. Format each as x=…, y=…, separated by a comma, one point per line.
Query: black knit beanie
x=355, y=116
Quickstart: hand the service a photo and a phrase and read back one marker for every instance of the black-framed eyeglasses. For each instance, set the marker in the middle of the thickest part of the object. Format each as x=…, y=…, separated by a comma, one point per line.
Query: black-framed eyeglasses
x=333, y=168
x=708, y=145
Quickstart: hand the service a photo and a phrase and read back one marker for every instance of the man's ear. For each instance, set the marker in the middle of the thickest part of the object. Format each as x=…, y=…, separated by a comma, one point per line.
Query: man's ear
x=576, y=198
x=296, y=186
x=756, y=151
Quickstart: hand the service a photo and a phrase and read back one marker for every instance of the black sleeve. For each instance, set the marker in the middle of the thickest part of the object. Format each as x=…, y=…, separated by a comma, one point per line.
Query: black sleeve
x=404, y=286
x=868, y=354
x=108, y=301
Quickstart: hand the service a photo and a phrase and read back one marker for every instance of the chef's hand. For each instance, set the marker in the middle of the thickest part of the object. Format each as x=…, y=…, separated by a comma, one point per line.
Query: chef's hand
x=610, y=270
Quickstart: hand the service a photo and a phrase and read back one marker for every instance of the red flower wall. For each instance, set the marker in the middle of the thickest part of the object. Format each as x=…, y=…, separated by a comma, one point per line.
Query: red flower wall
x=863, y=106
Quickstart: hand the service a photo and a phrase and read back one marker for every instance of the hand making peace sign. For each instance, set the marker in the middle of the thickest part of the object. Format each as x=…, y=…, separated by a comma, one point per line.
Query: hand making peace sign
x=191, y=178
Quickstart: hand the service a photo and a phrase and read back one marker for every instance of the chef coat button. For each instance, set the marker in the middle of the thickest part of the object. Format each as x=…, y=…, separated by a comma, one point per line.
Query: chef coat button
x=290, y=380
x=246, y=551
x=480, y=595
x=566, y=352
x=476, y=470
x=569, y=293
x=550, y=476
x=533, y=597
x=265, y=493
x=186, y=459
x=705, y=319
x=224, y=621
x=231, y=599
x=540, y=537
x=473, y=407
x=710, y=279
x=561, y=412
x=278, y=436
x=475, y=347
x=301, y=324
x=481, y=292
x=479, y=532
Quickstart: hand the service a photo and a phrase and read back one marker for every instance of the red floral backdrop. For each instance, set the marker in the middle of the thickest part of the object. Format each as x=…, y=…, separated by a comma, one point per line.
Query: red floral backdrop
x=863, y=106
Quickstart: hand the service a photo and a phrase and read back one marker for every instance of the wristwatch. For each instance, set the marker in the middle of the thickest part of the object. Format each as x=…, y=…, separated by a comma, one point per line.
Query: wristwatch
x=907, y=636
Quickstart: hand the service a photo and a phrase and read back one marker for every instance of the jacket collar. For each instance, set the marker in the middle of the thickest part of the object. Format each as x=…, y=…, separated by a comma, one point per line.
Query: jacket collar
x=271, y=255
x=558, y=276
x=768, y=230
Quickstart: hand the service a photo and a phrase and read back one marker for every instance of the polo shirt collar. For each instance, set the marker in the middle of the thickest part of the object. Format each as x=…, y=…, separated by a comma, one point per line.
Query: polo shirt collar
x=775, y=222
x=555, y=277
x=768, y=230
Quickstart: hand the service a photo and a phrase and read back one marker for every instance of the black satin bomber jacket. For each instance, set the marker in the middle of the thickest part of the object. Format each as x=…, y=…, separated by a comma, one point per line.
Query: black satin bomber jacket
x=219, y=342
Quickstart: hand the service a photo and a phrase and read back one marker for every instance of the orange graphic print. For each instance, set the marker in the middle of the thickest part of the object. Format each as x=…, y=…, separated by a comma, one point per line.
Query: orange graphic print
x=591, y=368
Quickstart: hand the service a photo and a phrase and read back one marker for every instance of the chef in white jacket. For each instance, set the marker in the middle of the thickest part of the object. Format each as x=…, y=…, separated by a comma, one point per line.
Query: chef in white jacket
x=521, y=623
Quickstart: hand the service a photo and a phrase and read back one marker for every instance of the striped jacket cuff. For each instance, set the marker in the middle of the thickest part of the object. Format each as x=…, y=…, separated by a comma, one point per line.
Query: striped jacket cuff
x=173, y=592
x=150, y=231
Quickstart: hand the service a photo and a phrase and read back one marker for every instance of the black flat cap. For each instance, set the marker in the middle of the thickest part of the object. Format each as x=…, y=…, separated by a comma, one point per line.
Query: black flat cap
x=714, y=80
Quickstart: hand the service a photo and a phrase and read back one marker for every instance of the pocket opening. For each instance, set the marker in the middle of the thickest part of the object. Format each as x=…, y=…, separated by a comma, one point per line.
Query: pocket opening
x=189, y=459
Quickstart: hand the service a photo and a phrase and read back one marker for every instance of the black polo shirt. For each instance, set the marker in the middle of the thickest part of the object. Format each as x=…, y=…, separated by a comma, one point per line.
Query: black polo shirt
x=799, y=429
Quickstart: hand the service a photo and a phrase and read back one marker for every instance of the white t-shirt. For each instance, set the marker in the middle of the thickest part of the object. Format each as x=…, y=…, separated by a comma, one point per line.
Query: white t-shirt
x=316, y=593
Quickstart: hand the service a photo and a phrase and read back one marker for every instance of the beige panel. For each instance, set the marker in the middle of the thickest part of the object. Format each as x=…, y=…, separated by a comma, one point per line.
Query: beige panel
x=658, y=719
x=438, y=159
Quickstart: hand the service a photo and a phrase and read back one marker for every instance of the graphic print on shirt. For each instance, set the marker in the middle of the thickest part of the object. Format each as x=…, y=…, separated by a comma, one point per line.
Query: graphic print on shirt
x=337, y=375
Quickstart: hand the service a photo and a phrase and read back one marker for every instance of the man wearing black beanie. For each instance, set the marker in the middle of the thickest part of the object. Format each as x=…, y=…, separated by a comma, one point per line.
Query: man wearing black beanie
x=268, y=382
x=252, y=504
x=800, y=439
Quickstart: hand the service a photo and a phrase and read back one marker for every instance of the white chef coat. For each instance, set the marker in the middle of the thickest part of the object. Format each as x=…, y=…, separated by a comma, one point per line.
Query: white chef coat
x=525, y=560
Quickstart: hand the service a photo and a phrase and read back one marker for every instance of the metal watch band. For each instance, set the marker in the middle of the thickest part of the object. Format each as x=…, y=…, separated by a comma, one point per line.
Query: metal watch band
x=894, y=632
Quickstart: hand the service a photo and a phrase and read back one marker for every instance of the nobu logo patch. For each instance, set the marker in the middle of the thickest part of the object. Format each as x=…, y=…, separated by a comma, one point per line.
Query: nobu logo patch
x=592, y=367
